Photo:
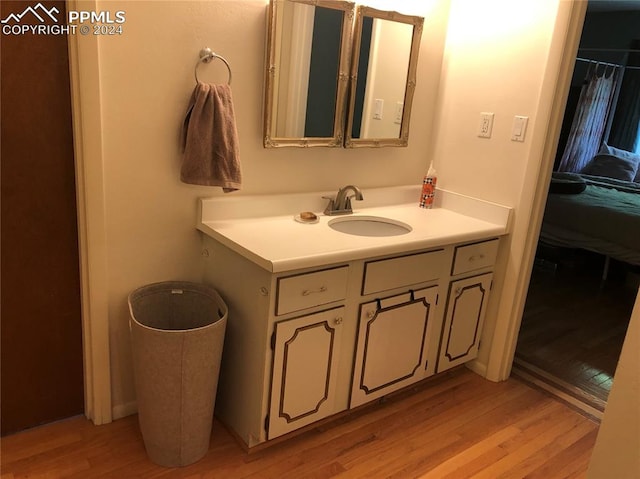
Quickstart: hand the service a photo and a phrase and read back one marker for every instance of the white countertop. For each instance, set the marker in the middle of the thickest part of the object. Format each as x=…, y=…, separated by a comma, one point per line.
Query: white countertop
x=276, y=242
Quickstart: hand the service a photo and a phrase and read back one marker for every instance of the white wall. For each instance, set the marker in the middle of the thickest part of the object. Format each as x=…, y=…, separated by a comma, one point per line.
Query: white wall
x=145, y=78
x=616, y=451
x=495, y=61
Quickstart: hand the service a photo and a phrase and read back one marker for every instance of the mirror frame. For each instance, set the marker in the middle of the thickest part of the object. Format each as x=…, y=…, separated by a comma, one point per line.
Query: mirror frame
x=337, y=139
x=418, y=23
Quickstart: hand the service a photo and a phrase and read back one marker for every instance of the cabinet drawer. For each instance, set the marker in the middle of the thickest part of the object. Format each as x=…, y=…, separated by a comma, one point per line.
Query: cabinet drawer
x=311, y=289
x=474, y=256
x=392, y=273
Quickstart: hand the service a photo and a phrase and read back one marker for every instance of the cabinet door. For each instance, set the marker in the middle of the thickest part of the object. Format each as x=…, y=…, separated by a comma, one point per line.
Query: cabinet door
x=304, y=374
x=466, y=304
x=394, y=337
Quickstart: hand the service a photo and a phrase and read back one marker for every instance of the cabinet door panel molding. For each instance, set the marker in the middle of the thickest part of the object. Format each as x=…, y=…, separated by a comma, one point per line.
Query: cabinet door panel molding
x=392, y=343
x=465, y=315
x=304, y=370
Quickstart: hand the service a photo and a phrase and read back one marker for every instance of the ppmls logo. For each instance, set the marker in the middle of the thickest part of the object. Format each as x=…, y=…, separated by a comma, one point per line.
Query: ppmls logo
x=34, y=20
x=34, y=11
x=38, y=21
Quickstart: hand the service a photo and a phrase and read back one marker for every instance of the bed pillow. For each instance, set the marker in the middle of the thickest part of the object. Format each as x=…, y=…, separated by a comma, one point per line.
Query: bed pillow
x=614, y=163
x=566, y=183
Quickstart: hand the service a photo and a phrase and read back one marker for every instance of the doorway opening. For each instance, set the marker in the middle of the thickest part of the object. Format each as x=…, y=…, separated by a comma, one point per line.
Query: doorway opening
x=581, y=296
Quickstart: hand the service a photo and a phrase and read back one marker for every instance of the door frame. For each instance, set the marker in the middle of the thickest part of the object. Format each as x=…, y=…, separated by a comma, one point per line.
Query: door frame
x=92, y=232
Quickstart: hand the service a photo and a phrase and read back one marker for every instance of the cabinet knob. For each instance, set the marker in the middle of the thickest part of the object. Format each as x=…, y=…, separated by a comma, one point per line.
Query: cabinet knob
x=338, y=320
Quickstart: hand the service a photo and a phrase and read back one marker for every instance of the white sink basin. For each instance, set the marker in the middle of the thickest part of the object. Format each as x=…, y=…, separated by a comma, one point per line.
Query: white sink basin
x=369, y=226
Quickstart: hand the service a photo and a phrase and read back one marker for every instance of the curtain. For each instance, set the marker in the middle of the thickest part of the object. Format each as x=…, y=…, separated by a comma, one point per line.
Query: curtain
x=590, y=118
x=625, y=130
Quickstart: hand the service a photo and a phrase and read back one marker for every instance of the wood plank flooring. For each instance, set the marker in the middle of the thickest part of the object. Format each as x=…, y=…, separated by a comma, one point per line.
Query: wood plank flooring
x=456, y=425
x=574, y=324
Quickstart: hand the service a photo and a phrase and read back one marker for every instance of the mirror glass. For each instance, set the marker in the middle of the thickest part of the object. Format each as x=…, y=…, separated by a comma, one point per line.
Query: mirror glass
x=383, y=78
x=309, y=45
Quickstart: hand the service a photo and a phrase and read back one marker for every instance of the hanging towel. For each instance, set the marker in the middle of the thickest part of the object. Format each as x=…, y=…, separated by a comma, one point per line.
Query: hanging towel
x=210, y=139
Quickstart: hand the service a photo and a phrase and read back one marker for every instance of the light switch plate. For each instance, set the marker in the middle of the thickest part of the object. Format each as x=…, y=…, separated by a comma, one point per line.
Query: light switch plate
x=519, y=128
x=378, y=109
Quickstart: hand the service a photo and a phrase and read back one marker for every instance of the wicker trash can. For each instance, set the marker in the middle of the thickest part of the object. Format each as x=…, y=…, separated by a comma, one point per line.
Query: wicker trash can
x=177, y=332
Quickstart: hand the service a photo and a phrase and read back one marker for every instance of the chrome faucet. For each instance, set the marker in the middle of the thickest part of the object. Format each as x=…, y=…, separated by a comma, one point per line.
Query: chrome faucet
x=341, y=205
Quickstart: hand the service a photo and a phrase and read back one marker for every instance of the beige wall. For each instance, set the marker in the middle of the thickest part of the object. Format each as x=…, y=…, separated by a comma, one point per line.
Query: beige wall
x=495, y=61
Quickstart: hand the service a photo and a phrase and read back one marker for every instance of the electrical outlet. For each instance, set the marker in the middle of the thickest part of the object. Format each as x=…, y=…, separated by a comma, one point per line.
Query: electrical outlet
x=486, y=125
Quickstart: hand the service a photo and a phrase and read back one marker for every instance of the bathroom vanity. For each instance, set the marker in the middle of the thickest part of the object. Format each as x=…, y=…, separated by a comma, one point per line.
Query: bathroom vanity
x=322, y=321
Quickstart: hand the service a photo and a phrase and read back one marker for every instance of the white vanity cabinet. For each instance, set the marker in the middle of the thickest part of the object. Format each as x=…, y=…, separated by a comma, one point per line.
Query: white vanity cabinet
x=321, y=320
x=466, y=303
x=305, y=344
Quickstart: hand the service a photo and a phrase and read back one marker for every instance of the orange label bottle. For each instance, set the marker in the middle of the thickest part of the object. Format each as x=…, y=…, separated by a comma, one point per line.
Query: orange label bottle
x=428, y=188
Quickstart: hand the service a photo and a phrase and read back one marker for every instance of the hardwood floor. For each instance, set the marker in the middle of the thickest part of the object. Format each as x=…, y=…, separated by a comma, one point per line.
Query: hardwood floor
x=574, y=324
x=456, y=425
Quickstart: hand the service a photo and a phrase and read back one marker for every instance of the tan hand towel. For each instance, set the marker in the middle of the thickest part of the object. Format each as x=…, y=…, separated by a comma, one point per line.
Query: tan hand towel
x=210, y=139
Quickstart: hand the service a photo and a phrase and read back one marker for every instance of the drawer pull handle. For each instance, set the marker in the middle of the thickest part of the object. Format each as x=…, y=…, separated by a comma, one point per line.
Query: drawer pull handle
x=338, y=320
x=473, y=258
x=307, y=292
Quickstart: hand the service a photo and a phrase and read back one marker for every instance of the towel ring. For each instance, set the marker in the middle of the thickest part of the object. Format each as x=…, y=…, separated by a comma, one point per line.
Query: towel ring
x=206, y=55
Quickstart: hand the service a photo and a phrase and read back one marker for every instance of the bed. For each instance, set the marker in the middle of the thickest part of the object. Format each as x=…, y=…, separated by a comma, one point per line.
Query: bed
x=597, y=209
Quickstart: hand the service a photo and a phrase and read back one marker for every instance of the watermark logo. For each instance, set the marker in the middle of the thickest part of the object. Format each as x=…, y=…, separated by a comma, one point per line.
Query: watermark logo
x=40, y=20
x=40, y=12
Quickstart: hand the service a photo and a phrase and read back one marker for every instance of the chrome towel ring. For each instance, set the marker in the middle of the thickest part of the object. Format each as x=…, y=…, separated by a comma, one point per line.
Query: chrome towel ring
x=206, y=55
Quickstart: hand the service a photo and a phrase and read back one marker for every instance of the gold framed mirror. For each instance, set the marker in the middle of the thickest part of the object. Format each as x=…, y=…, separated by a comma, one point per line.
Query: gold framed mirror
x=307, y=76
x=383, y=78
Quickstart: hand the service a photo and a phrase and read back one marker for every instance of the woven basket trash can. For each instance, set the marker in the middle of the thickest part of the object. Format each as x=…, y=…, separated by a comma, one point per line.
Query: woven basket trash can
x=177, y=333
